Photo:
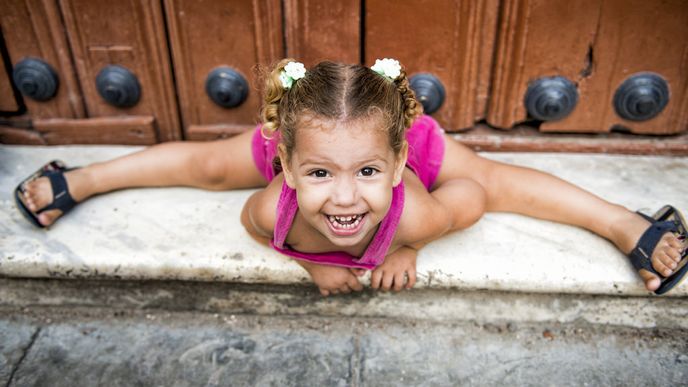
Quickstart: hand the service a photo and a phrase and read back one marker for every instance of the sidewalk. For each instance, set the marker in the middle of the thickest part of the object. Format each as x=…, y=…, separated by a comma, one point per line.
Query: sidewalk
x=189, y=234
x=179, y=333
x=227, y=350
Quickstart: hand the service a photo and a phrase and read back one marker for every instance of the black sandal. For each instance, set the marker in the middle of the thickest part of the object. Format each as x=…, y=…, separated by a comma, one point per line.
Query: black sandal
x=62, y=200
x=667, y=219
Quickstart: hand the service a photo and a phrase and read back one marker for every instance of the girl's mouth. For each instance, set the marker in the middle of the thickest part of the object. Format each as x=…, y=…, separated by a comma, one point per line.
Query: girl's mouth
x=346, y=225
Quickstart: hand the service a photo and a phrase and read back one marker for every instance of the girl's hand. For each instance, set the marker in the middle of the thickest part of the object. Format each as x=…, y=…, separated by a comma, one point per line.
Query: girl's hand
x=398, y=265
x=332, y=279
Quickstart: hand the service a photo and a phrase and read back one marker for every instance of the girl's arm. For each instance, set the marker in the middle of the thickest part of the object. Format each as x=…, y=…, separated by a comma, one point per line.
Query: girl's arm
x=258, y=233
x=456, y=204
x=259, y=213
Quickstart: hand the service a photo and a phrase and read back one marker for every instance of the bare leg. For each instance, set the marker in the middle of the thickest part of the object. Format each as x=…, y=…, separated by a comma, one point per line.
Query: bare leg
x=516, y=189
x=218, y=165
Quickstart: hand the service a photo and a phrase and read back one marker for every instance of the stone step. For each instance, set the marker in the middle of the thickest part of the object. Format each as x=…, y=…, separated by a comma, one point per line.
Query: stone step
x=191, y=234
x=80, y=332
x=192, y=349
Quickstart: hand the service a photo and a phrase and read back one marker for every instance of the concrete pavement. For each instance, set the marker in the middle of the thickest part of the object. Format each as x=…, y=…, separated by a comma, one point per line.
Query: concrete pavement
x=127, y=334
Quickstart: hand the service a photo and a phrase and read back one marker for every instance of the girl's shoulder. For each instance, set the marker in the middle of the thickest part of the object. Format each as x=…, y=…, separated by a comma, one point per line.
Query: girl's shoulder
x=262, y=207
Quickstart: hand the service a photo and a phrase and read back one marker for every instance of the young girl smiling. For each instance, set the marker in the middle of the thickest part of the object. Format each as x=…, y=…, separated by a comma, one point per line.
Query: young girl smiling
x=355, y=178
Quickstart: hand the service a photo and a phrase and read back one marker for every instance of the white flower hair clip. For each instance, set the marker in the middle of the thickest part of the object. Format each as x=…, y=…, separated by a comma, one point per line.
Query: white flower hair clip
x=292, y=71
x=387, y=67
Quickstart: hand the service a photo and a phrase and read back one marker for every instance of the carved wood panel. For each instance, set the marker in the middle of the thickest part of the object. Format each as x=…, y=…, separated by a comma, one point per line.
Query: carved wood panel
x=131, y=34
x=485, y=52
x=323, y=30
x=596, y=45
x=451, y=39
x=33, y=29
x=8, y=101
x=205, y=35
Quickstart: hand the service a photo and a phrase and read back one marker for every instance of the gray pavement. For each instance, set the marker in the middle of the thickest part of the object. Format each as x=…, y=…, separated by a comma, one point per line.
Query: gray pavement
x=196, y=349
x=129, y=334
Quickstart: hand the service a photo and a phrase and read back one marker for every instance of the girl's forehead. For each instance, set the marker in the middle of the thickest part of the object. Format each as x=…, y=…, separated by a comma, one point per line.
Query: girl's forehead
x=356, y=130
x=310, y=122
x=350, y=140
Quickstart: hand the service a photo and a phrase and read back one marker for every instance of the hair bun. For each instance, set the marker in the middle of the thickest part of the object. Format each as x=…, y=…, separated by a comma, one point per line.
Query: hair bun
x=274, y=92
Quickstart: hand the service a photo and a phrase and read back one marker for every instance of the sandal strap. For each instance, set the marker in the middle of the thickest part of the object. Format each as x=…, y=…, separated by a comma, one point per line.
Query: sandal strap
x=647, y=217
x=62, y=200
x=641, y=254
x=665, y=213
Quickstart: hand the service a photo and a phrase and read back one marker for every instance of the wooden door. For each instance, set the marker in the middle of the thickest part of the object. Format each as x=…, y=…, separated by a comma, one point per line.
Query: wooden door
x=450, y=39
x=33, y=30
x=9, y=102
x=323, y=30
x=487, y=55
x=218, y=44
x=596, y=45
x=125, y=43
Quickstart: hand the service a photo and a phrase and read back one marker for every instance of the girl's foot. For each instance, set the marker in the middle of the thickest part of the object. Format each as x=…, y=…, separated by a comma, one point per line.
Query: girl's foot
x=666, y=256
x=38, y=194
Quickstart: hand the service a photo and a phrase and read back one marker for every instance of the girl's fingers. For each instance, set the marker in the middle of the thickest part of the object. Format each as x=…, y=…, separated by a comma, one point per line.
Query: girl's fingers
x=324, y=292
x=375, y=279
x=358, y=272
x=387, y=280
x=399, y=281
x=355, y=285
x=411, y=279
x=345, y=289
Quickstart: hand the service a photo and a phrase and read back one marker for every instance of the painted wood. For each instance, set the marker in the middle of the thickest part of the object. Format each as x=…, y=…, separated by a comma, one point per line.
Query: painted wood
x=33, y=28
x=596, y=44
x=131, y=34
x=323, y=30
x=10, y=135
x=132, y=130
x=208, y=34
x=451, y=39
x=8, y=102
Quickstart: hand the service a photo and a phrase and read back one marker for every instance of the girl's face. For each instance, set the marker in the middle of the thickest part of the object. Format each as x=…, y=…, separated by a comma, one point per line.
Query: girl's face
x=343, y=175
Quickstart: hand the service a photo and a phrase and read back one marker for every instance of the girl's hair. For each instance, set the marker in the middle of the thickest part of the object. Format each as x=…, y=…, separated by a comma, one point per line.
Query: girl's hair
x=339, y=92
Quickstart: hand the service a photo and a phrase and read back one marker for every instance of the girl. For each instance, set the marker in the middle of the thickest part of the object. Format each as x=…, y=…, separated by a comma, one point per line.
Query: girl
x=355, y=178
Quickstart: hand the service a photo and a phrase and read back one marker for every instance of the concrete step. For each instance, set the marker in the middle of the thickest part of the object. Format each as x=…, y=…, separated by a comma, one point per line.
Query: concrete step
x=183, y=349
x=190, y=234
x=184, y=333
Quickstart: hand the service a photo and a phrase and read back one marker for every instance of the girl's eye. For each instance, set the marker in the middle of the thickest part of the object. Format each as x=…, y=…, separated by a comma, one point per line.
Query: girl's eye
x=320, y=173
x=368, y=171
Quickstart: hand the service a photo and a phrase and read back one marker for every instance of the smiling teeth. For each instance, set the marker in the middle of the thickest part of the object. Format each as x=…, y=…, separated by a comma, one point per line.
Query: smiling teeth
x=345, y=222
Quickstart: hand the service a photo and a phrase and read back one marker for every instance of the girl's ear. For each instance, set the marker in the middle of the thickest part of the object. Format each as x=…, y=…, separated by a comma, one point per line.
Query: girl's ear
x=286, y=168
x=400, y=164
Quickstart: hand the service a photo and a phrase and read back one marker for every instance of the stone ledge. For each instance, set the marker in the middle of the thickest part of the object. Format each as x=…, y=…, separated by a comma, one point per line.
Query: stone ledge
x=190, y=234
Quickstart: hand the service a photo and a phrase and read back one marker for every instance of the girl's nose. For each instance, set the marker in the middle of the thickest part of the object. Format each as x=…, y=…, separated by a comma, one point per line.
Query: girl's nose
x=344, y=193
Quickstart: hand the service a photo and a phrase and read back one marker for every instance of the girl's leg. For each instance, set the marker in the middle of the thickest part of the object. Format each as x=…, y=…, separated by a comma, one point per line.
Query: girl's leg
x=217, y=165
x=537, y=194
